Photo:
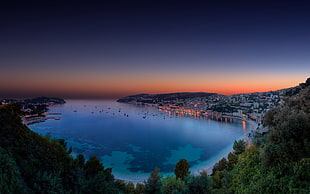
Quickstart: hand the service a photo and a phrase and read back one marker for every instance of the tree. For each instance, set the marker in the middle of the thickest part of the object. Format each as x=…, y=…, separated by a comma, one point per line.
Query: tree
x=140, y=188
x=173, y=185
x=222, y=164
x=216, y=180
x=306, y=84
x=92, y=167
x=239, y=146
x=152, y=185
x=130, y=187
x=301, y=175
x=199, y=184
x=232, y=160
x=9, y=174
x=80, y=160
x=108, y=175
x=182, y=169
x=48, y=182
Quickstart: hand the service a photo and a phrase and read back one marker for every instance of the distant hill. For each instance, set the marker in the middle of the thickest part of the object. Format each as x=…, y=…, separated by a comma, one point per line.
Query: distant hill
x=154, y=98
x=43, y=100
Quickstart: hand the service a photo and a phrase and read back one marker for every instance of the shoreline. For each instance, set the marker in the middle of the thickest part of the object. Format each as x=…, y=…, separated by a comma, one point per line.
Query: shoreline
x=252, y=128
x=38, y=119
x=205, y=166
x=208, y=167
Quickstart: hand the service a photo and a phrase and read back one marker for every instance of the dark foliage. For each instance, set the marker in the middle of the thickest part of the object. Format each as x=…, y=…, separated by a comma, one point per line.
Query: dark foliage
x=306, y=84
x=31, y=163
x=153, y=183
x=182, y=169
x=239, y=146
x=280, y=163
x=199, y=184
x=289, y=137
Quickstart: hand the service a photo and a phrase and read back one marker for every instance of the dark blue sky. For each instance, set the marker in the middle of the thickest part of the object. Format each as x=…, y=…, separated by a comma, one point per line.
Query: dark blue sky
x=76, y=48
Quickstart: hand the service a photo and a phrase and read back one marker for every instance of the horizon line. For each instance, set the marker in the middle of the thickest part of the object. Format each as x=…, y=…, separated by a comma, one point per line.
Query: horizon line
x=115, y=98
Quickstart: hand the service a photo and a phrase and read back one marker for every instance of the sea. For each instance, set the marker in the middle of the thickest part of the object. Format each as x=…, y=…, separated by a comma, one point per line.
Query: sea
x=134, y=140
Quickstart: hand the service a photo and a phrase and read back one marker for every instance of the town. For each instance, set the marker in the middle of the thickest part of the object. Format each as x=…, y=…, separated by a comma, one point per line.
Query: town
x=251, y=106
x=35, y=109
x=246, y=107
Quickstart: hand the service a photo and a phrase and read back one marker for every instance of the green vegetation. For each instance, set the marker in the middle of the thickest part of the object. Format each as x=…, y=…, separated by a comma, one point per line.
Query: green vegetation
x=278, y=162
x=152, y=185
x=171, y=185
x=181, y=169
x=31, y=163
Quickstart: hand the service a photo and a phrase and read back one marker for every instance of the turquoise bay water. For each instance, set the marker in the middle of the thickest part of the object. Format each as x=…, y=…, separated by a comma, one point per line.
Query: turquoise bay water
x=134, y=140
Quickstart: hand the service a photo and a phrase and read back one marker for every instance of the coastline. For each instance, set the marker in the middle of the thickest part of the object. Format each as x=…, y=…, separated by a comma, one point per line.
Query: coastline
x=253, y=126
x=208, y=166
x=205, y=166
x=37, y=119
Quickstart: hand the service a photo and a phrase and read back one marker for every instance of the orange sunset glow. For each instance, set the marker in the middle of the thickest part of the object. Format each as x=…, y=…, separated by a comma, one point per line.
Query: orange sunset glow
x=114, y=86
x=115, y=53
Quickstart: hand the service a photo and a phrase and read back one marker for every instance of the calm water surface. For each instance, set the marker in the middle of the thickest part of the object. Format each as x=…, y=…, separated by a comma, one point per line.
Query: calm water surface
x=134, y=140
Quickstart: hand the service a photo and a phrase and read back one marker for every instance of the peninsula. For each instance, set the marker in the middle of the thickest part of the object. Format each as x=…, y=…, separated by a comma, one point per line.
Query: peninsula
x=35, y=109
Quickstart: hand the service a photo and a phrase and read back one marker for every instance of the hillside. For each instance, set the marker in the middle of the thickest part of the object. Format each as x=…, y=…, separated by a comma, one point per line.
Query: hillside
x=155, y=98
x=45, y=100
x=281, y=162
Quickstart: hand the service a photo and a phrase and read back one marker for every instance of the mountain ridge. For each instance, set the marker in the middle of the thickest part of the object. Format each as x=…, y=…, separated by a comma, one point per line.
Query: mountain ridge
x=164, y=96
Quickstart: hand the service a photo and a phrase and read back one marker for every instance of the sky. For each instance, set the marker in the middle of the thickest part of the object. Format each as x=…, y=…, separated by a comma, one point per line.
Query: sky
x=102, y=49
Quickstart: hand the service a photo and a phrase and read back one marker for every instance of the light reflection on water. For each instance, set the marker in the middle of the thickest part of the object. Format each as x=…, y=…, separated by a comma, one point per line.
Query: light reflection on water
x=134, y=140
